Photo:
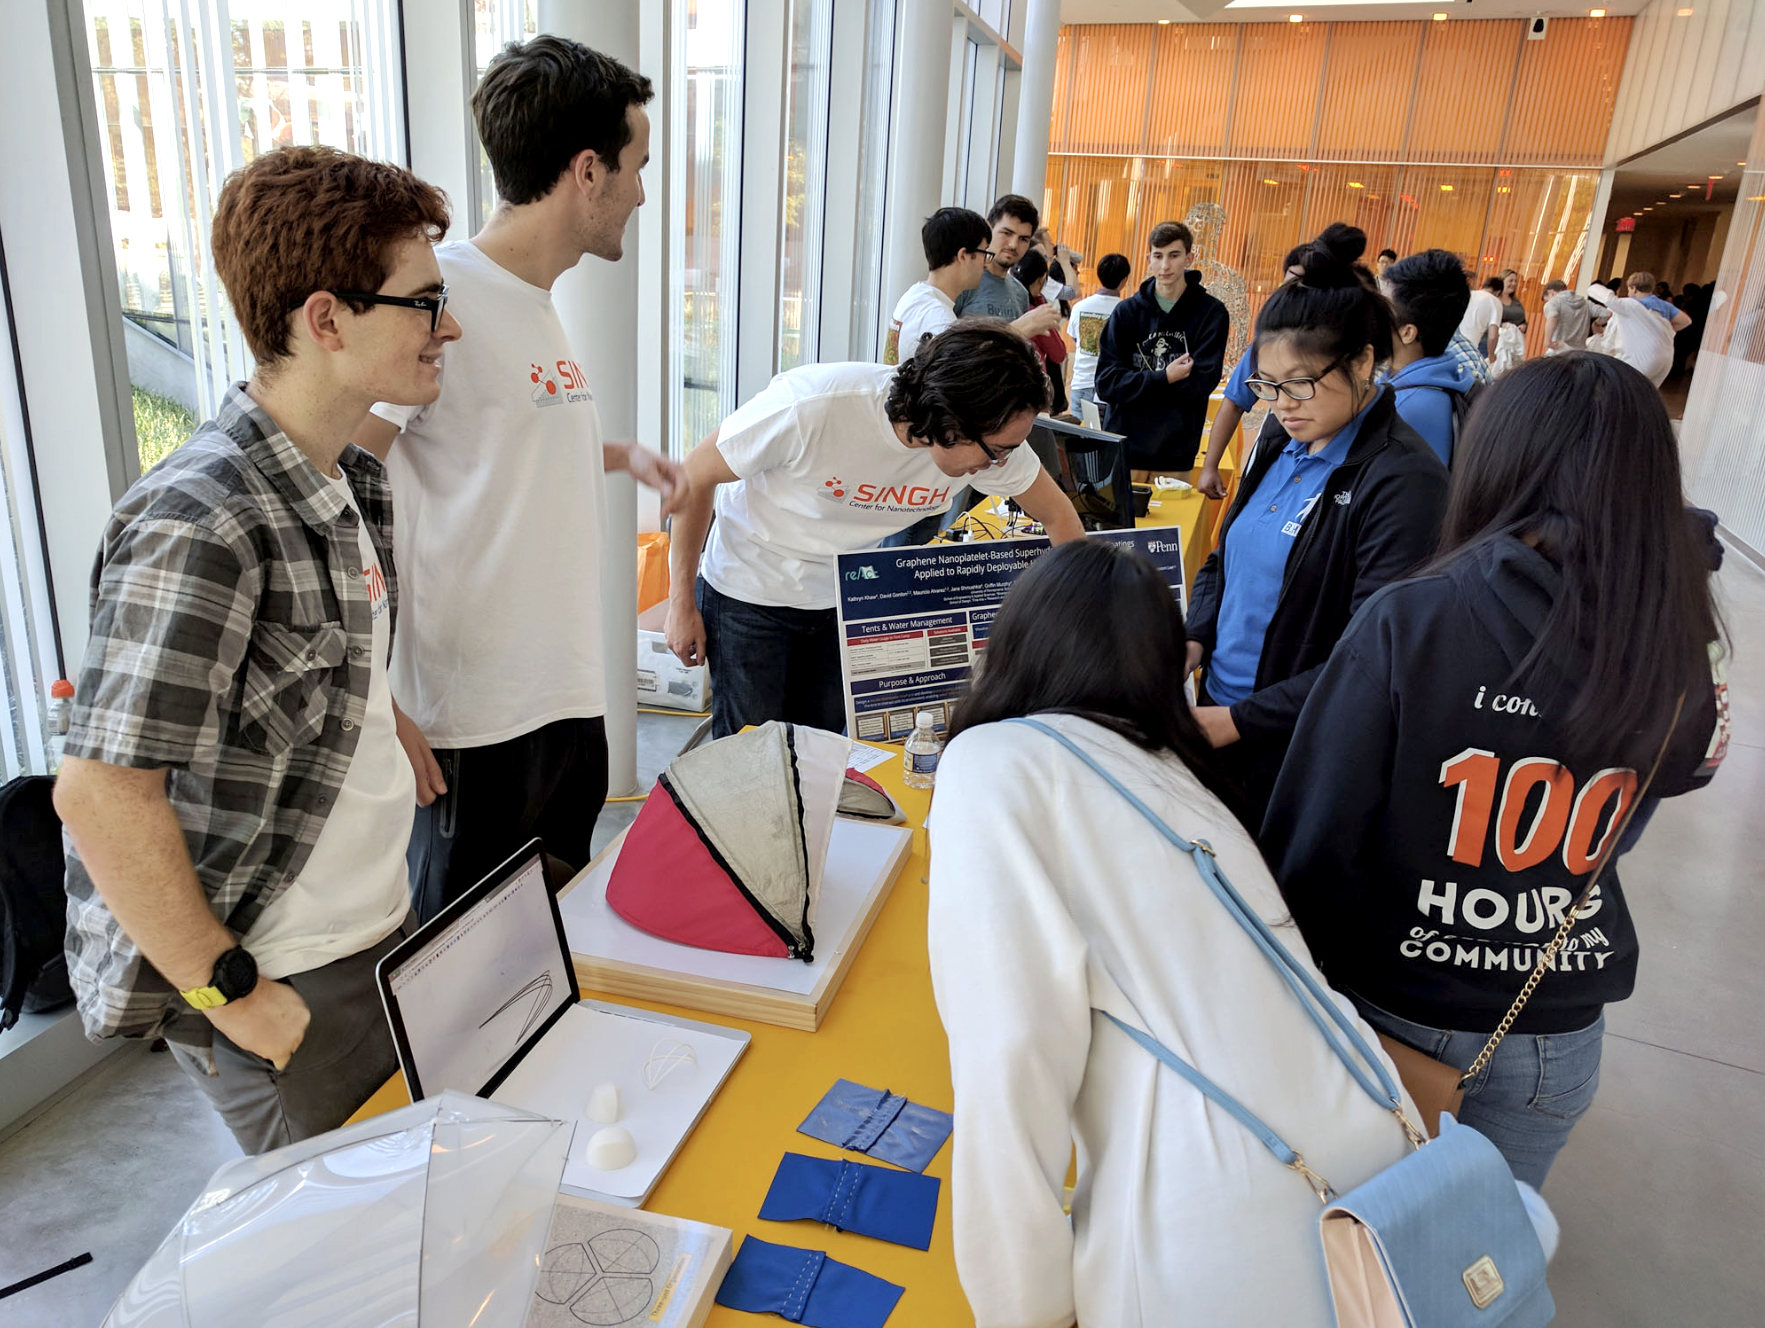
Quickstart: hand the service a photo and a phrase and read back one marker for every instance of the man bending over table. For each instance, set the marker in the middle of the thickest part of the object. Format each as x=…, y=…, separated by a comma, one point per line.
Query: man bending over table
x=832, y=459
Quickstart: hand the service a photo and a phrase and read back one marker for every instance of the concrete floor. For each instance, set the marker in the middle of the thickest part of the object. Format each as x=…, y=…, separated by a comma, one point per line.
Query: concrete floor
x=1661, y=1191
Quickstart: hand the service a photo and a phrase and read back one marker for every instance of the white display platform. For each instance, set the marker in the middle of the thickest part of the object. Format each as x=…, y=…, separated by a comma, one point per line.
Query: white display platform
x=612, y=956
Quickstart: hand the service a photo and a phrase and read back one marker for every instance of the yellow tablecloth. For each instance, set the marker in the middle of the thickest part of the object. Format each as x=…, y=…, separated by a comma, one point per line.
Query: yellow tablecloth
x=883, y=1031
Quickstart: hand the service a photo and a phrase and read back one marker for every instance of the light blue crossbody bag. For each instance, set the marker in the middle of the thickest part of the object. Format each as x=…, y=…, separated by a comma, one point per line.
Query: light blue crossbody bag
x=1438, y=1240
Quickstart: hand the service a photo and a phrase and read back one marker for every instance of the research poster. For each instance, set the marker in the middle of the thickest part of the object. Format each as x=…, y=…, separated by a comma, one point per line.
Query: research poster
x=914, y=621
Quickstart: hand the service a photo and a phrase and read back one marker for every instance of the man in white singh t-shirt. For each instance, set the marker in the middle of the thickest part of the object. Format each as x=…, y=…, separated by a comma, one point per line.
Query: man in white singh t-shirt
x=955, y=242
x=501, y=490
x=832, y=459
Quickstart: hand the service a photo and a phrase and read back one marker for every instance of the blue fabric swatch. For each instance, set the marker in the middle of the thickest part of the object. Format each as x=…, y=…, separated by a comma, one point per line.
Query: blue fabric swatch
x=879, y=1124
x=805, y=1286
x=850, y=1196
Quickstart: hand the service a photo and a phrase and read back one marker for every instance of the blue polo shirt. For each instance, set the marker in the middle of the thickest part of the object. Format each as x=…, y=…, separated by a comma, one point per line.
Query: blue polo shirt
x=1234, y=390
x=1253, y=558
x=1659, y=305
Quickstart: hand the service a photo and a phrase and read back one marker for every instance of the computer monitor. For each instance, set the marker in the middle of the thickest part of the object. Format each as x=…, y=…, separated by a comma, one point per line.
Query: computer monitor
x=1091, y=466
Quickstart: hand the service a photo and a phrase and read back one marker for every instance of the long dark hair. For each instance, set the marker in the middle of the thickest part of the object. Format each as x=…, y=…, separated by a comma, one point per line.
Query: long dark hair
x=1091, y=629
x=1576, y=453
x=970, y=380
x=1335, y=310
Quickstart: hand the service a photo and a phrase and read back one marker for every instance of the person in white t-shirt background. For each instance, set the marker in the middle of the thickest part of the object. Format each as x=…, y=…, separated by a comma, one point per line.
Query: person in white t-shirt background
x=831, y=459
x=501, y=490
x=1085, y=326
x=1482, y=321
x=956, y=253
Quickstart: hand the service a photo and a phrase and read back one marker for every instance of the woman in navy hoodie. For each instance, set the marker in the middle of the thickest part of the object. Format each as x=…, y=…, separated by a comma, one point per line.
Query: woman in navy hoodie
x=1340, y=496
x=1479, y=731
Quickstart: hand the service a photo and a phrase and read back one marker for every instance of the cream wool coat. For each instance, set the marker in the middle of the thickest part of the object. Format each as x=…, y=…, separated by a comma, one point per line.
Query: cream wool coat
x=1051, y=896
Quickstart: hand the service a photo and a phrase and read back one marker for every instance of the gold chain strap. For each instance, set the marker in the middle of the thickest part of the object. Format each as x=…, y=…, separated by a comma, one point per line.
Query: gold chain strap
x=1548, y=955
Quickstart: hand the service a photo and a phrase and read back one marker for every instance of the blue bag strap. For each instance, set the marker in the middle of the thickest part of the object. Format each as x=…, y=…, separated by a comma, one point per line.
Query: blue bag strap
x=1323, y=1011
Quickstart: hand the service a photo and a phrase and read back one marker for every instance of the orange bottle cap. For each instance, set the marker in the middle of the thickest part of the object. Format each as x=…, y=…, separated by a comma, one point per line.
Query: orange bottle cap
x=61, y=689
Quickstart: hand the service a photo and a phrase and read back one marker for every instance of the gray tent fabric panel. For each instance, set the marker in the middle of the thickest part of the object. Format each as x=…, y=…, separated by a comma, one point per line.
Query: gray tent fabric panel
x=742, y=793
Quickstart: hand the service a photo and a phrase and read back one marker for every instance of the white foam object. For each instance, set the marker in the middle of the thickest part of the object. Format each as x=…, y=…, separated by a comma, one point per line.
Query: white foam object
x=666, y=1057
x=603, y=1104
x=612, y=1149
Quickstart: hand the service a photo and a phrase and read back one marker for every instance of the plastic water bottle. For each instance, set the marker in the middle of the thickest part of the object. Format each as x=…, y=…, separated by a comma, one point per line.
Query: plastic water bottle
x=61, y=708
x=923, y=748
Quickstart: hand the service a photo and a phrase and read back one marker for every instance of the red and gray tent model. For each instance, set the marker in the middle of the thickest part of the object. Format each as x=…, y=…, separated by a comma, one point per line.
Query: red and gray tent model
x=728, y=851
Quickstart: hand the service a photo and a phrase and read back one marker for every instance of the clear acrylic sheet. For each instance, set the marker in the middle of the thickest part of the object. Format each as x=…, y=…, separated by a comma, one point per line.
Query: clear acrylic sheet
x=443, y=1204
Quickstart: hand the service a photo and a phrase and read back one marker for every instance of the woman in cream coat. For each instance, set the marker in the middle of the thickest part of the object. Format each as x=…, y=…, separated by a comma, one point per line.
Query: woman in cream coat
x=1053, y=899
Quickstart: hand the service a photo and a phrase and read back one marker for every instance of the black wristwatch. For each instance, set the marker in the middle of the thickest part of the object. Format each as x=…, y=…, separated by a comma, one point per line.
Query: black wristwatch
x=234, y=977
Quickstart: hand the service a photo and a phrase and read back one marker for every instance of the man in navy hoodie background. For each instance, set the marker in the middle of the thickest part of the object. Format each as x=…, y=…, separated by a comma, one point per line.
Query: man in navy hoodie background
x=1161, y=355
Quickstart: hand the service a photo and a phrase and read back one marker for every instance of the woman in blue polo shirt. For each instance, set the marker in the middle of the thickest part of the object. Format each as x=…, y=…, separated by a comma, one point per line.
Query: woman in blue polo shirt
x=1340, y=496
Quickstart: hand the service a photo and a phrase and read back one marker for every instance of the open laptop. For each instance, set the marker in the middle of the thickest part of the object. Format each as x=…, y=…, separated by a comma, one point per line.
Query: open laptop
x=480, y=983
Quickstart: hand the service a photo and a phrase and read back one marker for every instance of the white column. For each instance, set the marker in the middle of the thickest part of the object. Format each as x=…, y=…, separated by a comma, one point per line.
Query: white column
x=597, y=303
x=1035, y=101
x=1596, y=229
x=916, y=141
x=440, y=70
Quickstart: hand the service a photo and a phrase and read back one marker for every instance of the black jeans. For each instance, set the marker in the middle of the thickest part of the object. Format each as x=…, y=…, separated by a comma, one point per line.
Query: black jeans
x=771, y=663
x=551, y=782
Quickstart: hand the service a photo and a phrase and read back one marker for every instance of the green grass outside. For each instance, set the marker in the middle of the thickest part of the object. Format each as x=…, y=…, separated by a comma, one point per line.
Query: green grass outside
x=161, y=427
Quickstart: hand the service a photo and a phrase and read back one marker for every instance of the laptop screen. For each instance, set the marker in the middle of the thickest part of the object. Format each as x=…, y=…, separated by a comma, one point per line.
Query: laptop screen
x=479, y=981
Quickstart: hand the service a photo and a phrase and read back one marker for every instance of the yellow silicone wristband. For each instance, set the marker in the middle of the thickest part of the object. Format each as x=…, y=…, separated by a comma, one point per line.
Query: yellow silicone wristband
x=204, y=998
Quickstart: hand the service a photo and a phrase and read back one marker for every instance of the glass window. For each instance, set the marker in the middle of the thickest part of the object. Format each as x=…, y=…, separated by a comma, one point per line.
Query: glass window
x=496, y=23
x=704, y=168
x=805, y=183
x=28, y=662
x=873, y=172
x=175, y=126
x=970, y=57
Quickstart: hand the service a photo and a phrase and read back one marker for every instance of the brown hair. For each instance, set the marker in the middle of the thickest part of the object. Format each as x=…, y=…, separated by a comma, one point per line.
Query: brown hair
x=299, y=220
x=1643, y=281
x=1168, y=233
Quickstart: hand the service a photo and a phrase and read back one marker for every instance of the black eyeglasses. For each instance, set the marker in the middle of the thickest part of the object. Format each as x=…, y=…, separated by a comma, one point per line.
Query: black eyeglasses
x=435, y=304
x=1297, y=389
x=994, y=458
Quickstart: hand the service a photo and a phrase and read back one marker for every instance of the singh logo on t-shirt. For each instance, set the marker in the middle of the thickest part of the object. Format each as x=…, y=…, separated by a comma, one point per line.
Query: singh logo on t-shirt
x=554, y=388
x=885, y=498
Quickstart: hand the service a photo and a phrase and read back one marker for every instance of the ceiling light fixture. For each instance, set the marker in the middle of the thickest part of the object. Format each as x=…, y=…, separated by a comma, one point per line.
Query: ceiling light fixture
x=1446, y=188
x=1356, y=184
x=1296, y=18
x=1271, y=182
x=1596, y=13
x=1503, y=189
x=1682, y=13
x=1440, y=18
x=1675, y=195
x=1164, y=22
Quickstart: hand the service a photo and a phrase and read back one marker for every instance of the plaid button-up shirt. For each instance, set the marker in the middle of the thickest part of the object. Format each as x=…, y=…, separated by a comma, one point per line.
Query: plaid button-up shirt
x=232, y=644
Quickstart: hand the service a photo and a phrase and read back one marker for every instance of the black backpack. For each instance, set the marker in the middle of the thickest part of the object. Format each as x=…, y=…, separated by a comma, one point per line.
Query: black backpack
x=33, y=901
x=1461, y=410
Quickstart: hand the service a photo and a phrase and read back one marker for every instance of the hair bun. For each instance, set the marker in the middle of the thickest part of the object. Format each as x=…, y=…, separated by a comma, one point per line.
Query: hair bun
x=1330, y=259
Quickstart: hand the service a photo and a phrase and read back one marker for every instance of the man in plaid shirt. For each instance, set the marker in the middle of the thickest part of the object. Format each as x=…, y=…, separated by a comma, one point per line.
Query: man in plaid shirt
x=236, y=796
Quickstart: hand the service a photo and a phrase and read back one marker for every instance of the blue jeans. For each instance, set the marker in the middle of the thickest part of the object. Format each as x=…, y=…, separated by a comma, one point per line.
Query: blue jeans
x=771, y=663
x=1528, y=1098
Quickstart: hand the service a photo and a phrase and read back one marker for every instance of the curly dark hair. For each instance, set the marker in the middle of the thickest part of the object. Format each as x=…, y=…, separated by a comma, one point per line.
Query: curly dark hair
x=969, y=381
